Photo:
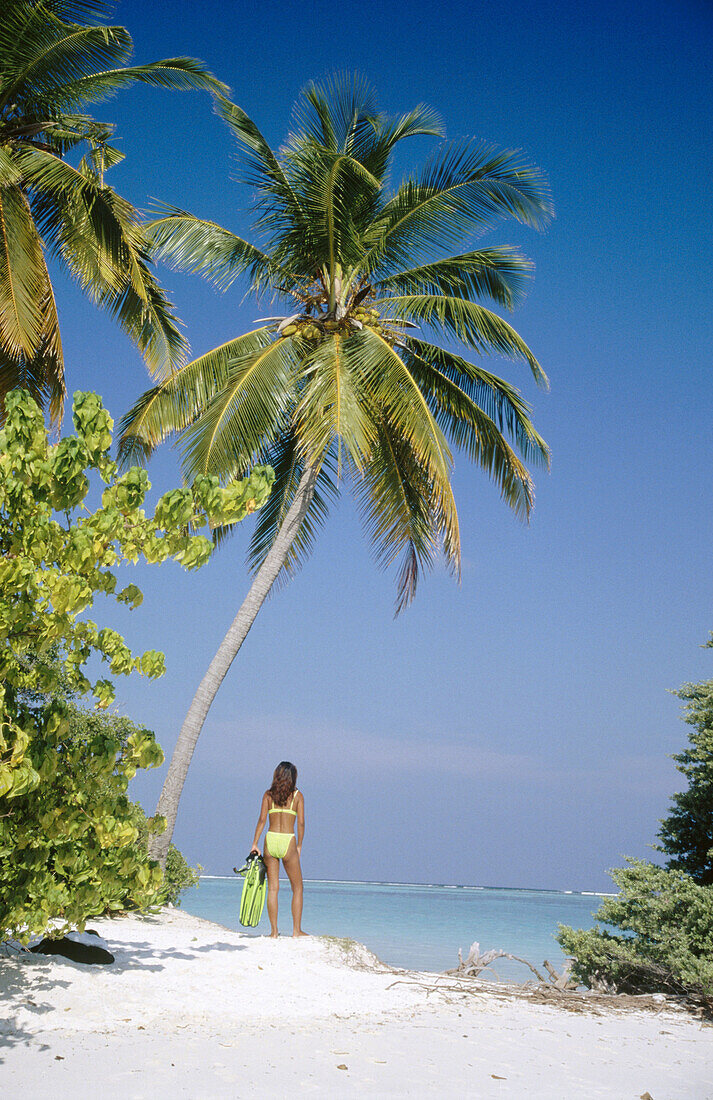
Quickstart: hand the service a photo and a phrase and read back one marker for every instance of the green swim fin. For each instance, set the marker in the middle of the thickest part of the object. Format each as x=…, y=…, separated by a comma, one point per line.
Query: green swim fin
x=252, y=901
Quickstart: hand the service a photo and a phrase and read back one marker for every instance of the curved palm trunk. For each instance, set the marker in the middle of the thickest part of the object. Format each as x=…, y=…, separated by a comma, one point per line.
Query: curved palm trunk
x=229, y=647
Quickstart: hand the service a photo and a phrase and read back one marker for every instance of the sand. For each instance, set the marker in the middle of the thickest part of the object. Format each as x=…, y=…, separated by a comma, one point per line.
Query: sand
x=192, y=1009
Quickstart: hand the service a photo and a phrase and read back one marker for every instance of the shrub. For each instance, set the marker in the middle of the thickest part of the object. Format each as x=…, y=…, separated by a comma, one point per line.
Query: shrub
x=68, y=833
x=661, y=922
x=661, y=937
x=83, y=727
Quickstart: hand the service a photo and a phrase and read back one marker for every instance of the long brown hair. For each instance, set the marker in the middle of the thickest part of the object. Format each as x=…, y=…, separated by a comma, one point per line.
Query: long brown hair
x=284, y=783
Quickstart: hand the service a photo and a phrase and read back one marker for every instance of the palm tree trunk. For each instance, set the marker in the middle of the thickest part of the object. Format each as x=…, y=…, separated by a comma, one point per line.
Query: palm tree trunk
x=227, y=652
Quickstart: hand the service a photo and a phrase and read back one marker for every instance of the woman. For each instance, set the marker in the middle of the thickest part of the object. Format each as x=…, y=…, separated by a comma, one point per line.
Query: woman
x=281, y=806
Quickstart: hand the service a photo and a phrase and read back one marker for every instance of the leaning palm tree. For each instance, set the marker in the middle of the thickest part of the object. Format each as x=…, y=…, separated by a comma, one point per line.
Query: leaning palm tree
x=344, y=385
x=52, y=63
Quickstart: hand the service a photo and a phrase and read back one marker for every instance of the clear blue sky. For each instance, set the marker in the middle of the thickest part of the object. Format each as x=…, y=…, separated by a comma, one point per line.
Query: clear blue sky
x=512, y=731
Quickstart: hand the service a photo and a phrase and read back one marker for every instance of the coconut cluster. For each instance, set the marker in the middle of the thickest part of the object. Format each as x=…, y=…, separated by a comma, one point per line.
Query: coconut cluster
x=314, y=328
x=303, y=329
x=366, y=316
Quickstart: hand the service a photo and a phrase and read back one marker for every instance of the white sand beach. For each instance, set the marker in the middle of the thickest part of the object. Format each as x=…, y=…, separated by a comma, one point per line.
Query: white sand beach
x=192, y=1009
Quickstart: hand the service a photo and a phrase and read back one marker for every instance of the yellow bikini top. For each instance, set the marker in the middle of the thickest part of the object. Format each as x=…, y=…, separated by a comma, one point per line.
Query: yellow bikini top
x=285, y=809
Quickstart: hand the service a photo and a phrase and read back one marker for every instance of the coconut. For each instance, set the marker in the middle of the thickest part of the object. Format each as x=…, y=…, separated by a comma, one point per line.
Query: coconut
x=289, y=330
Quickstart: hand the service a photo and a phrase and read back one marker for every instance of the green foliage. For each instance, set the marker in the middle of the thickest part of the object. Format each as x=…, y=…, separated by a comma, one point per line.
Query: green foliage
x=179, y=875
x=83, y=730
x=340, y=382
x=70, y=847
x=660, y=926
x=686, y=834
x=67, y=832
x=663, y=938
x=55, y=58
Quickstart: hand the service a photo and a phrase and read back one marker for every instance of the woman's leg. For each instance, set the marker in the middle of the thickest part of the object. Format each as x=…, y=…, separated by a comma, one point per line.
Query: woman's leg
x=273, y=885
x=291, y=861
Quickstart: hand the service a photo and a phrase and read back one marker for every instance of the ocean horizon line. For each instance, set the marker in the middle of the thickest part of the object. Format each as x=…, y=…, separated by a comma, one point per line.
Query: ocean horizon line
x=439, y=886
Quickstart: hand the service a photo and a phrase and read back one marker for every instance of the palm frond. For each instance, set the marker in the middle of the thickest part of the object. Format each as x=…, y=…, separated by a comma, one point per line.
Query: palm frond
x=243, y=416
x=177, y=402
x=401, y=512
x=472, y=324
x=97, y=235
x=49, y=357
x=58, y=53
x=335, y=113
x=176, y=73
x=471, y=430
x=19, y=370
x=285, y=458
x=332, y=189
x=500, y=401
x=394, y=393
x=261, y=167
x=333, y=407
x=375, y=151
x=392, y=389
x=39, y=127
x=499, y=273
x=332, y=112
x=147, y=317
x=42, y=376
x=57, y=189
x=42, y=371
x=202, y=247
x=99, y=159
x=465, y=189
x=22, y=286
x=10, y=172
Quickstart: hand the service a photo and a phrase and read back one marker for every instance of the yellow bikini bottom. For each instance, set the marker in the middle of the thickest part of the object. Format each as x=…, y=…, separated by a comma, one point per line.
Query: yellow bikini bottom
x=276, y=844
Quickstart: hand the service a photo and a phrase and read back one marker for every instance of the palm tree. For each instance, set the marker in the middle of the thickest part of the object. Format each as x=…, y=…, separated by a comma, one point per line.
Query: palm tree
x=343, y=385
x=51, y=65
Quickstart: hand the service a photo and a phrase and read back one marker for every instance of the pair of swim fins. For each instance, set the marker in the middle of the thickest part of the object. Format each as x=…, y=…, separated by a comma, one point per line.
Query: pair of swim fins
x=252, y=901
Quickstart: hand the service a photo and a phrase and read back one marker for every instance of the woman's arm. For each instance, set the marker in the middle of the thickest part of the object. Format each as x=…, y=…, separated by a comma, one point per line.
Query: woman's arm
x=261, y=821
x=300, y=822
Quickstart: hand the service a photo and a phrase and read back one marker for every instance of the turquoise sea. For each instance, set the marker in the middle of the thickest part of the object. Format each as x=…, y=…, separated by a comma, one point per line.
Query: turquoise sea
x=418, y=927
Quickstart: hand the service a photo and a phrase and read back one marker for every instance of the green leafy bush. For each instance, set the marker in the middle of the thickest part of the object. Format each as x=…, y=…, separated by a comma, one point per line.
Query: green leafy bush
x=658, y=931
x=179, y=875
x=661, y=937
x=68, y=833
x=83, y=728
x=686, y=835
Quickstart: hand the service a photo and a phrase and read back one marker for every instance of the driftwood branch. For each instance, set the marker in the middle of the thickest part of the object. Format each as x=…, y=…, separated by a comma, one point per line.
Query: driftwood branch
x=557, y=989
x=477, y=961
x=560, y=981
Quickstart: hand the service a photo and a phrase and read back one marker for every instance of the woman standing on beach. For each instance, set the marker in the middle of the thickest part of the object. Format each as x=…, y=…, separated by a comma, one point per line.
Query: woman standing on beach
x=281, y=806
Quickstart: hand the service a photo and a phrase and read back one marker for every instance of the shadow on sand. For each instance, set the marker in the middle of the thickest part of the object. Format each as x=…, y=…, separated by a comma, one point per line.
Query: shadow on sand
x=141, y=955
x=26, y=977
x=23, y=980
